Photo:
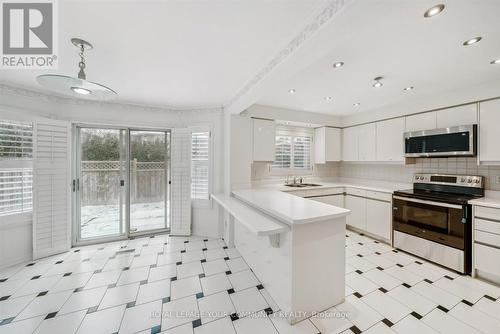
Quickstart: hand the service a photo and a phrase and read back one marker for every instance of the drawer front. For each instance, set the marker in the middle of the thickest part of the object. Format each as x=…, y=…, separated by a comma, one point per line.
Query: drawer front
x=487, y=259
x=379, y=196
x=355, y=192
x=323, y=192
x=487, y=225
x=487, y=238
x=488, y=213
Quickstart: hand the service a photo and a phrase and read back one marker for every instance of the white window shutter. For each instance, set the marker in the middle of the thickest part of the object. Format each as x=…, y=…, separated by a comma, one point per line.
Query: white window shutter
x=51, y=188
x=181, y=182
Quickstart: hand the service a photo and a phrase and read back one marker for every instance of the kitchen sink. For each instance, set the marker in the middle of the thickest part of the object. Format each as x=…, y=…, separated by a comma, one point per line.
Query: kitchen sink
x=302, y=185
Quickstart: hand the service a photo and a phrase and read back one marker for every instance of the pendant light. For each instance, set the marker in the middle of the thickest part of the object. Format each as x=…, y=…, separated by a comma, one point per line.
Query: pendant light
x=77, y=86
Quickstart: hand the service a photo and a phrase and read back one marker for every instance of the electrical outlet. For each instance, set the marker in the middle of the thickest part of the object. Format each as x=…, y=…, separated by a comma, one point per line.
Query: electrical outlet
x=497, y=179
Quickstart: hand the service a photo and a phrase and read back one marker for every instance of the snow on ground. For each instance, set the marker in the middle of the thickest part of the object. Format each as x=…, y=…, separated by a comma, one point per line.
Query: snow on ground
x=104, y=220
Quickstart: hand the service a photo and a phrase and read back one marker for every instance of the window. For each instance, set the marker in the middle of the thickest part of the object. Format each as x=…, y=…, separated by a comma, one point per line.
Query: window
x=16, y=171
x=200, y=165
x=293, y=150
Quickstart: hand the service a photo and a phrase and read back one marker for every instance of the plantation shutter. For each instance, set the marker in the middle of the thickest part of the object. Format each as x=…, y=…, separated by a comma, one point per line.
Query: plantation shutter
x=51, y=188
x=302, y=152
x=181, y=182
x=200, y=165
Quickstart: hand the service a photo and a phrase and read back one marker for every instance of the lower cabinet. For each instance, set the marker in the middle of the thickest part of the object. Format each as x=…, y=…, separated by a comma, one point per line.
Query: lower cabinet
x=357, y=205
x=487, y=243
x=378, y=218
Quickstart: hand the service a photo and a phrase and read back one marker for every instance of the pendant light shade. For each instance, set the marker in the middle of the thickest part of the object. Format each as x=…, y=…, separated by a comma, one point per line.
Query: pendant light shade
x=79, y=86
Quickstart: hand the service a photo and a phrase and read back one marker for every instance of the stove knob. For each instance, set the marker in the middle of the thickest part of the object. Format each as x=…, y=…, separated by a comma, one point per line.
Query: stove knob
x=462, y=180
x=477, y=181
x=469, y=180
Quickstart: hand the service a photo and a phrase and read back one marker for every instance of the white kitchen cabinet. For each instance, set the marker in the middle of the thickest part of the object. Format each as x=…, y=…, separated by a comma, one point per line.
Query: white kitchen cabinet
x=390, y=142
x=462, y=115
x=489, y=136
x=367, y=144
x=335, y=200
x=350, y=144
x=264, y=136
x=378, y=218
x=357, y=205
x=419, y=122
x=327, y=145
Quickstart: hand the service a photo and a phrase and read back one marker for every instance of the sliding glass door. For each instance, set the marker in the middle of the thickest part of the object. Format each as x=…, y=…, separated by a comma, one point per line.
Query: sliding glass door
x=122, y=182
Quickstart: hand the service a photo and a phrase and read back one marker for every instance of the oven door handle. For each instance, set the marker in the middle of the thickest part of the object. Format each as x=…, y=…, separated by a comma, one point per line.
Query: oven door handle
x=416, y=200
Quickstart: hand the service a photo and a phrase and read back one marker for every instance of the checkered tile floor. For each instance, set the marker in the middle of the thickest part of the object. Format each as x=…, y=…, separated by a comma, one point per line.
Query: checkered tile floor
x=197, y=285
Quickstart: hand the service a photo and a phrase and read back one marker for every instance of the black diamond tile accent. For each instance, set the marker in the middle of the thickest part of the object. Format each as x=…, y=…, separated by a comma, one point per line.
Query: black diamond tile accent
x=361, y=234
x=205, y=240
x=144, y=282
x=165, y=243
x=203, y=260
x=76, y=250
x=6, y=321
x=448, y=277
x=226, y=258
x=204, y=249
x=137, y=255
x=387, y=322
x=201, y=275
x=230, y=291
x=234, y=317
x=359, y=255
x=346, y=236
x=59, y=262
x=165, y=300
x=152, y=266
x=125, y=251
x=359, y=271
x=378, y=253
x=375, y=241
x=151, y=237
x=51, y=315
x=466, y=302
x=131, y=304
x=199, y=295
x=260, y=287
x=30, y=264
x=111, y=286
x=383, y=290
x=156, y=329
x=160, y=253
x=3, y=280
x=406, y=285
x=4, y=298
x=442, y=308
x=395, y=251
x=92, y=309
x=78, y=289
x=380, y=268
x=67, y=274
x=112, y=258
x=399, y=265
x=187, y=241
x=228, y=272
x=85, y=260
x=173, y=279
x=97, y=271
x=126, y=268
x=35, y=277
x=357, y=294
x=268, y=310
x=225, y=247
x=178, y=263
x=428, y=281
x=183, y=251
x=43, y=293
x=196, y=323
x=355, y=330
x=416, y=315
x=418, y=262
x=360, y=243
x=490, y=298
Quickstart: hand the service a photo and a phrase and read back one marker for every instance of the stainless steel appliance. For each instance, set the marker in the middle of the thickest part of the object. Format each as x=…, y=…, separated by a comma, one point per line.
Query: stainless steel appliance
x=458, y=141
x=434, y=220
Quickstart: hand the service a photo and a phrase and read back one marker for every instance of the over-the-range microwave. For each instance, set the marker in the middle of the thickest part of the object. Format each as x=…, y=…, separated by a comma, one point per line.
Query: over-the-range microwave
x=457, y=141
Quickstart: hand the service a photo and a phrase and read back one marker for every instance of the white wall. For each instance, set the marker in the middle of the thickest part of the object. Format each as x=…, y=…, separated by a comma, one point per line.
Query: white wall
x=261, y=111
x=16, y=244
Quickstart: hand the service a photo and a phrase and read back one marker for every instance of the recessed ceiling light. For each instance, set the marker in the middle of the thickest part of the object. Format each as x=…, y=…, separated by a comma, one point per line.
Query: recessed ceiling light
x=494, y=62
x=377, y=83
x=472, y=41
x=408, y=88
x=356, y=104
x=327, y=98
x=434, y=10
x=292, y=91
x=80, y=90
x=338, y=64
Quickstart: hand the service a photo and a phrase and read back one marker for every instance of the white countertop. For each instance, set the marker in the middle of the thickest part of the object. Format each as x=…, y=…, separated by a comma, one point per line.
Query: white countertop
x=491, y=199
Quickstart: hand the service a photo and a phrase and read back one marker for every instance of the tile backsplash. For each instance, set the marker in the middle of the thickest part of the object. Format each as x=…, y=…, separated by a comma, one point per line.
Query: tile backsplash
x=404, y=173
x=261, y=171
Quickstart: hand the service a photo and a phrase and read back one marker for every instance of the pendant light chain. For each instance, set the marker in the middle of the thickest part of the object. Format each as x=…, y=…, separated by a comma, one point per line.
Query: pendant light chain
x=81, y=64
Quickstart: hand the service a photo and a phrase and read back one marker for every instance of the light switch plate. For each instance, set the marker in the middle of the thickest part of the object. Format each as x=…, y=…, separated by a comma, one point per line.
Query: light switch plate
x=497, y=179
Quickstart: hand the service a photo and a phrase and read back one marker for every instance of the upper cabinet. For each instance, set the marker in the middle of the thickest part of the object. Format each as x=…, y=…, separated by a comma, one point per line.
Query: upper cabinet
x=264, y=136
x=489, y=136
x=421, y=122
x=367, y=145
x=463, y=115
x=327, y=145
x=390, y=143
x=350, y=144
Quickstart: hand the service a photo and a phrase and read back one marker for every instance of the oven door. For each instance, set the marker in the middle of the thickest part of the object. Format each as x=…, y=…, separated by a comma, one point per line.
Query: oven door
x=439, y=222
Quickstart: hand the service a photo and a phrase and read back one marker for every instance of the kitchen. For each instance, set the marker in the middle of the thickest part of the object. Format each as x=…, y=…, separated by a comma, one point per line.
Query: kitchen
x=332, y=169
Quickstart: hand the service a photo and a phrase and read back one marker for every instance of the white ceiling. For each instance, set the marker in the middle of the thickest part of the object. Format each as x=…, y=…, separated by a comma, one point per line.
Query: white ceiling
x=173, y=53
x=392, y=39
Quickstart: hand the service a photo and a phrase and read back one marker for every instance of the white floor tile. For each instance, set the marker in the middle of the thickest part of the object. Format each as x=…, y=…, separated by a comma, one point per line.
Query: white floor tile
x=475, y=318
x=215, y=253
x=215, y=306
x=64, y=324
x=464, y=292
x=243, y=280
x=215, y=243
x=488, y=306
x=215, y=283
x=436, y=294
x=410, y=325
x=185, y=287
x=144, y=260
x=141, y=317
x=182, y=329
x=252, y=325
x=334, y=321
x=284, y=327
x=13, y=306
x=168, y=258
x=248, y=301
x=359, y=249
x=90, y=266
x=196, y=245
x=382, y=279
x=189, y=269
x=413, y=300
x=360, y=283
x=404, y=275
x=103, y=279
x=400, y=257
x=9, y=287
x=232, y=253
x=349, y=268
x=360, y=263
x=270, y=301
x=476, y=284
x=164, y=272
x=133, y=275
x=221, y=326
x=171, y=247
x=27, y=326
x=178, y=312
x=215, y=267
x=380, y=260
x=118, y=263
x=386, y=306
x=379, y=328
x=378, y=247
x=72, y=282
x=45, y=304
x=444, y=323
x=83, y=300
x=153, y=291
x=190, y=256
x=359, y=313
x=120, y=295
x=35, y=286
x=427, y=271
